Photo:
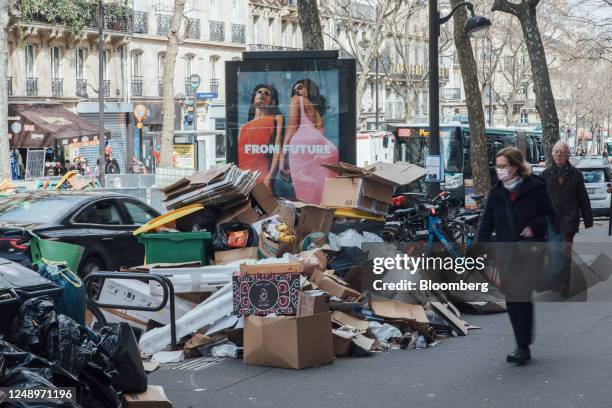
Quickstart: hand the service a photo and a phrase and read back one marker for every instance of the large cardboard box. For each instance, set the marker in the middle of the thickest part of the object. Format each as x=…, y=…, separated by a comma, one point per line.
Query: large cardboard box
x=312, y=218
x=313, y=302
x=263, y=294
x=269, y=249
x=136, y=293
x=153, y=397
x=288, y=342
x=335, y=286
x=358, y=193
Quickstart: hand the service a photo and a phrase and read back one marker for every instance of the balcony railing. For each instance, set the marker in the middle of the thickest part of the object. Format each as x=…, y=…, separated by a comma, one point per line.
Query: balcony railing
x=136, y=86
x=31, y=86
x=164, y=24
x=57, y=86
x=9, y=86
x=192, y=28
x=268, y=47
x=238, y=33
x=141, y=22
x=106, y=88
x=112, y=21
x=188, y=88
x=214, y=85
x=217, y=31
x=160, y=86
x=81, y=86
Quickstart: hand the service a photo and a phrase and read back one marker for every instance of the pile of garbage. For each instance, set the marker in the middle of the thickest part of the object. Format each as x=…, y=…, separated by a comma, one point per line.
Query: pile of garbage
x=271, y=282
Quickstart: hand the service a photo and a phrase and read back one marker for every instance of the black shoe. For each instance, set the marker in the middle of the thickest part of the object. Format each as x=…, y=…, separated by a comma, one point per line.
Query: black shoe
x=519, y=356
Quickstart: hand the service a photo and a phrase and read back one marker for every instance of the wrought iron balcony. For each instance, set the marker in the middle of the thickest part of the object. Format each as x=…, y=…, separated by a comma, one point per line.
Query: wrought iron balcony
x=141, y=22
x=9, y=86
x=160, y=86
x=268, y=47
x=106, y=88
x=81, y=86
x=217, y=31
x=192, y=28
x=57, y=86
x=238, y=33
x=136, y=86
x=112, y=21
x=214, y=85
x=164, y=24
x=188, y=88
x=32, y=86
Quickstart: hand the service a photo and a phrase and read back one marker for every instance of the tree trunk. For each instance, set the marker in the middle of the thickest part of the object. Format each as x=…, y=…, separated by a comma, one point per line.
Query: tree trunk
x=510, y=111
x=167, y=136
x=5, y=152
x=362, y=82
x=473, y=97
x=545, y=100
x=310, y=24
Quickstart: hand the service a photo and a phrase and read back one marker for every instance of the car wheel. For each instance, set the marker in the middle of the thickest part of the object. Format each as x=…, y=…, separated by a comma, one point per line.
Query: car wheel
x=92, y=265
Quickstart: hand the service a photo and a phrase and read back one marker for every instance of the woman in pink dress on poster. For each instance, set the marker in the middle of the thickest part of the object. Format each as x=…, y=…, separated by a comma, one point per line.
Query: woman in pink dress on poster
x=305, y=146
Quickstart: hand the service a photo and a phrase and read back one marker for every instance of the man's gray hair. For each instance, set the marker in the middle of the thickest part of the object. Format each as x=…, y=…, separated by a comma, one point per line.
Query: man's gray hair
x=561, y=143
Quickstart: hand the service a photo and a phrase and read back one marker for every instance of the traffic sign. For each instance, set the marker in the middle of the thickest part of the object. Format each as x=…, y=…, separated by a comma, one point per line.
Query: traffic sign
x=140, y=112
x=206, y=95
x=195, y=81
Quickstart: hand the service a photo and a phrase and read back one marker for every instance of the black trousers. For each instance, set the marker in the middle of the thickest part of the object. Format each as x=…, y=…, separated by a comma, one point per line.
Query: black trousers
x=521, y=317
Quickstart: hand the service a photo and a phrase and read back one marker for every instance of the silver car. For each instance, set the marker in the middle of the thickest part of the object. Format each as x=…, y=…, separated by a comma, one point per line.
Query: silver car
x=596, y=180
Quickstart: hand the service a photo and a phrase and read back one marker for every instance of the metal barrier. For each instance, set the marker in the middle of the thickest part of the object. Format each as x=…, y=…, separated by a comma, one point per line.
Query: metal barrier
x=163, y=281
x=129, y=180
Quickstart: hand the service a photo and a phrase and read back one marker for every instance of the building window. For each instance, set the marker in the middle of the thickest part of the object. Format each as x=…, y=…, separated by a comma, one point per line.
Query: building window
x=55, y=62
x=161, y=58
x=271, y=36
x=213, y=10
x=136, y=63
x=80, y=63
x=105, y=63
x=29, y=62
x=285, y=33
x=235, y=11
x=524, y=117
x=295, y=35
x=188, y=65
x=255, y=29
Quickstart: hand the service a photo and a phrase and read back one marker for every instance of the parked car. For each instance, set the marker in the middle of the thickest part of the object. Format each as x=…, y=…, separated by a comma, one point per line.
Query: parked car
x=102, y=223
x=596, y=180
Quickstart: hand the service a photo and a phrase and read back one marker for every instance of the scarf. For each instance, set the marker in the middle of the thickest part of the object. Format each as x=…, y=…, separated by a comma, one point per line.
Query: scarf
x=561, y=171
x=514, y=184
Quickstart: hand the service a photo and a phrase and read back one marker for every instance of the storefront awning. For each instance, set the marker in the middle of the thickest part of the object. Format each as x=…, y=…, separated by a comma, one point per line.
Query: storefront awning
x=43, y=125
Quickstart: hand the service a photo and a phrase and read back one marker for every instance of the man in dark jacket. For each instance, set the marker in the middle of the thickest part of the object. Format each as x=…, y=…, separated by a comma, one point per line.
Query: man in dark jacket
x=570, y=198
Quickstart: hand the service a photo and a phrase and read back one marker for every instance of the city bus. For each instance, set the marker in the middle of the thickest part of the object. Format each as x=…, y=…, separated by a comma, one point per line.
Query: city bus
x=412, y=145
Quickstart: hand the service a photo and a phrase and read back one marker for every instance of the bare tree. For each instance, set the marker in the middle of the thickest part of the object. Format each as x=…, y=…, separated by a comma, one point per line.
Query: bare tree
x=167, y=136
x=473, y=98
x=366, y=27
x=310, y=25
x=526, y=14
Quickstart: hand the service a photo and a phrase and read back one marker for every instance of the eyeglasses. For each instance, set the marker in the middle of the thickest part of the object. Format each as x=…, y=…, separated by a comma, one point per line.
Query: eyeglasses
x=560, y=151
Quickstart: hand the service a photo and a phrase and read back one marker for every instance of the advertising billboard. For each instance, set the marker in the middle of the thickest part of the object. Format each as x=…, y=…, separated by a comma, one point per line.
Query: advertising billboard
x=289, y=115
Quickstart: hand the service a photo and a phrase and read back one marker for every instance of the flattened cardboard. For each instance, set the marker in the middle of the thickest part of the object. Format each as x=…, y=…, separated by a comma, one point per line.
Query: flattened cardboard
x=336, y=287
x=153, y=397
x=265, y=294
x=288, y=342
x=313, y=218
x=243, y=213
x=392, y=309
x=351, y=322
x=349, y=193
x=398, y=173
x=312, y=302
x=265, y=198
x=271, y=268
x=450, y=317
x=233, y=255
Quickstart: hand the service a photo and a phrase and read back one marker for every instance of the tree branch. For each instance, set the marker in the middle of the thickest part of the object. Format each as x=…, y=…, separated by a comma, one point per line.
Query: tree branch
x=506, y=7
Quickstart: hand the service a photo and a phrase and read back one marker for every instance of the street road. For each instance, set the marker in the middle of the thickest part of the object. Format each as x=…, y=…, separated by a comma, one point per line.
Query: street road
x=570, y=368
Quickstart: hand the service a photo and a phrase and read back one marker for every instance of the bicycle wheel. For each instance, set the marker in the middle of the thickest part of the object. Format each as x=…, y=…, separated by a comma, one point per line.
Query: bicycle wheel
x=93, y=316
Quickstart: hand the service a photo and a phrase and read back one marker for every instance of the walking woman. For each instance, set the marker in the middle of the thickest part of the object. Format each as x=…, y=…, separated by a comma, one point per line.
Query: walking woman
x=518, y=209
x=305, y=145
x=259, y=141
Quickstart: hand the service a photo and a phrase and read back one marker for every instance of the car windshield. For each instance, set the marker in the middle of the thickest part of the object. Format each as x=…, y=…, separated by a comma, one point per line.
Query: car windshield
x=35, y=209
x=593, y=175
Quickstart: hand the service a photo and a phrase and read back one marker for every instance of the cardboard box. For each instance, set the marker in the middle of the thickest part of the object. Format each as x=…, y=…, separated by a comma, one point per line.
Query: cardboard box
x=233, y=255
x=312, y=218
x=342, y=342
x=313, y=302
x=351, y=322
x=265, y=199
x=271, y=268
x=391, y=309
x=153, y=397
x=269, y=249
x=288, y=342
x=335, y=286
x=265, y=294
x=136, y=293
x=358, y=193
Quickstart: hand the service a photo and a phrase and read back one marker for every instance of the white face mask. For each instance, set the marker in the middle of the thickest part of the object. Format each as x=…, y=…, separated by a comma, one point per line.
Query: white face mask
x=504, y=174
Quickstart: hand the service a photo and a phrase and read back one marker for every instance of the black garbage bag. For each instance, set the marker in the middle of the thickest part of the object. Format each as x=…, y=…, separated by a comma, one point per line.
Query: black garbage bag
x=232, y=235
x=119, y=343
x=346, y=259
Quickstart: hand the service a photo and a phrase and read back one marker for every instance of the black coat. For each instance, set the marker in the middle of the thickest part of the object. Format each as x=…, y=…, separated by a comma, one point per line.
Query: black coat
x=507, y=219
x=569, y=200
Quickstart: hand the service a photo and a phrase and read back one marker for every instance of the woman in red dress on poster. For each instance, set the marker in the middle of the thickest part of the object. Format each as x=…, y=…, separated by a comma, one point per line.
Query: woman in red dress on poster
x=305, y=146
x=259, y=141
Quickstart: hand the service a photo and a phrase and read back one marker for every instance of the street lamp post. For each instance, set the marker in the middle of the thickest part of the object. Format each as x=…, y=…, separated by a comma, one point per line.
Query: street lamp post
x=475, y=26
x=102, y=158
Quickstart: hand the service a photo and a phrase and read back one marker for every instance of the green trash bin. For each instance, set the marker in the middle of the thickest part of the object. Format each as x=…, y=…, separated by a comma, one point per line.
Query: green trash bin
x=56, y=252
x=175, y=247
